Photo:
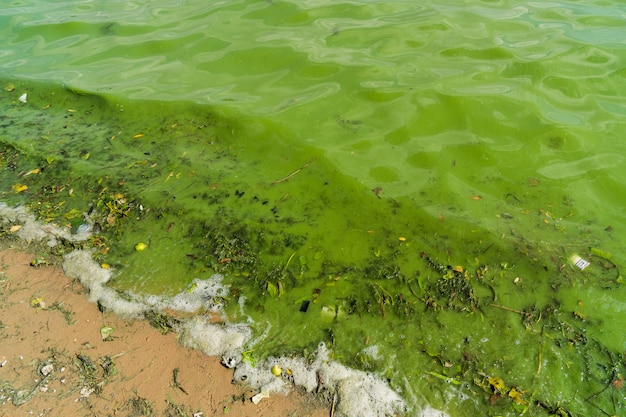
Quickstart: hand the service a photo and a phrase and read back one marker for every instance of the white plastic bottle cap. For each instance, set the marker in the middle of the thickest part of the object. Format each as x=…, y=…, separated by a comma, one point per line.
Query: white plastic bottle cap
x=579, y=262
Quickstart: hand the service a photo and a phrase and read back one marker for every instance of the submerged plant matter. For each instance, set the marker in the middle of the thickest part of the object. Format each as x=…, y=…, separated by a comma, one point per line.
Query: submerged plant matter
x=493, y=316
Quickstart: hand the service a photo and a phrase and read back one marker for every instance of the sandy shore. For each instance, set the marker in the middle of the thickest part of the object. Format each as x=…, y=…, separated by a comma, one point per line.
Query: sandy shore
x=59, y=360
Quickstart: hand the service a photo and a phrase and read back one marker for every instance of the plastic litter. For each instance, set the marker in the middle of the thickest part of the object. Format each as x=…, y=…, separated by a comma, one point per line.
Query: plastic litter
x=579, y=262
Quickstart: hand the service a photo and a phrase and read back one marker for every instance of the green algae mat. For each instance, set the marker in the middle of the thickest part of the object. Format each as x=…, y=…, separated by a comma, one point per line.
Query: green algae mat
x=520, y=319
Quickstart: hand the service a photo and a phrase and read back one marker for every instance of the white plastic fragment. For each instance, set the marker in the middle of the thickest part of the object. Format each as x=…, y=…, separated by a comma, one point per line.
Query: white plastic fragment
x=22, y=98
x=257, y=398
x=230, y=361
x=579, y=262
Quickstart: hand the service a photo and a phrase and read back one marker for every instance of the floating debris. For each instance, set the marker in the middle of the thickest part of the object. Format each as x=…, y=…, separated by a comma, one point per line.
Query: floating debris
x=579, y=262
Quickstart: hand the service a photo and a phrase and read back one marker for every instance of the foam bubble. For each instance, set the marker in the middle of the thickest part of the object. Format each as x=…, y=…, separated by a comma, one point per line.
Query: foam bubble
x=373, y=352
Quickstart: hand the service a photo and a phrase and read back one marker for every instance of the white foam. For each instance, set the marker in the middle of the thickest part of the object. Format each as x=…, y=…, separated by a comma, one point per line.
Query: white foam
x=373, y=352
x=431, y=412
x=360, y=394
x=214, y=339
x=366, y=395
x=80, y=265
x=33, y=231
x=200, y=296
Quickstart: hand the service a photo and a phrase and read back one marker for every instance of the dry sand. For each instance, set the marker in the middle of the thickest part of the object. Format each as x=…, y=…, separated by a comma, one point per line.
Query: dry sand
x=45, y=319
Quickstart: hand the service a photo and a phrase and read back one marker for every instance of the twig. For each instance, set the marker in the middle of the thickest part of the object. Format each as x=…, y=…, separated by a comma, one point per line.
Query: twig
x=176, y=384
x=540, y=354
x=294, y=172
x=118, y=355
x=523, y=313
x=447, y=379
x=332, y=407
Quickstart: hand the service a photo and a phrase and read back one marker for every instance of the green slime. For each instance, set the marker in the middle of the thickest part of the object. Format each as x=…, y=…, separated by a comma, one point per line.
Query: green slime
x=470, y=319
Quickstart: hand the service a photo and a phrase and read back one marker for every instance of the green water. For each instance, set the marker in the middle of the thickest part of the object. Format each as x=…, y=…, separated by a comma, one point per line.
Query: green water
x=404, y=182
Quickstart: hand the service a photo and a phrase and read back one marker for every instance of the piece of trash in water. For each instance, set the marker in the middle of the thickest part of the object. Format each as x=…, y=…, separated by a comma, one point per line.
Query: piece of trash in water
x=257, y=398
x=18, y=188
x=579, y=262
x=23, y=98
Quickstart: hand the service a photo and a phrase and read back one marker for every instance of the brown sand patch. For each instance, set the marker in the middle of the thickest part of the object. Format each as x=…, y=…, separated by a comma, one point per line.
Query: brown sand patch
x=45, y=319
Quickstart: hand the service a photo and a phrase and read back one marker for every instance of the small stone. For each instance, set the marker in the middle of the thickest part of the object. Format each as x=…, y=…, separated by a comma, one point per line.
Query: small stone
x=86, y=392
x=47, y=369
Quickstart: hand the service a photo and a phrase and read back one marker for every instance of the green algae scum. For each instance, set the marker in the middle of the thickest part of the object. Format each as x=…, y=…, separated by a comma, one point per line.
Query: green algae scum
x=431, y=194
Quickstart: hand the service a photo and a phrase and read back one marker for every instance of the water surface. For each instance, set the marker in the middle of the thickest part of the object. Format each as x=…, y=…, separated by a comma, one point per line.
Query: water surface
x=418, y=176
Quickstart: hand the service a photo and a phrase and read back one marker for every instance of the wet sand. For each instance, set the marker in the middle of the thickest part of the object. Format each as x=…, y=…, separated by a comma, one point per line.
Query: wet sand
x=57, y=362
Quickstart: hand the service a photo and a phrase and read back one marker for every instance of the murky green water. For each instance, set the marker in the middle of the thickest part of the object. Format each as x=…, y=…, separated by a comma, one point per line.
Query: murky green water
x=405, y=182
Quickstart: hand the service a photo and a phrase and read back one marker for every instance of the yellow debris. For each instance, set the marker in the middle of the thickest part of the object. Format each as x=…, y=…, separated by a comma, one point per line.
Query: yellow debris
x=18, y=188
